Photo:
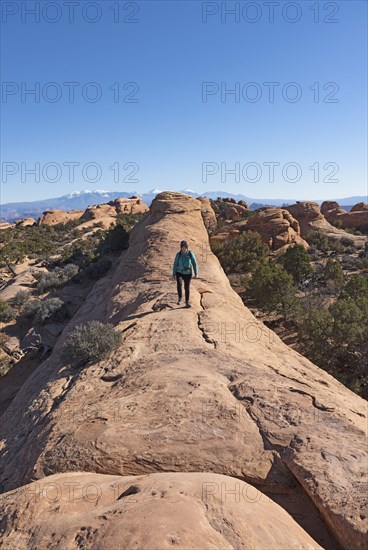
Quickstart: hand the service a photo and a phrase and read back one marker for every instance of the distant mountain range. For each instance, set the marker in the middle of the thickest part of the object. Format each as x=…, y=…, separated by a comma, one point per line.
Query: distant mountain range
x=80, y=200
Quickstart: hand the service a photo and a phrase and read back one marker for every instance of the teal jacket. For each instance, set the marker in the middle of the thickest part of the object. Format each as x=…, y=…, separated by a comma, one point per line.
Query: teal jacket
x=183, y=263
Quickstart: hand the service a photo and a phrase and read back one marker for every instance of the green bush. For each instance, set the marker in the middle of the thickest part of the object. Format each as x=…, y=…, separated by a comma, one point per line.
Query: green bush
x=272, y=289
x=89, y=342
x=242, y=254
x=20, y=298
x=115, y=240
x=314, y=332
x=333, y=274
x=319, y=239
x=297, y=262
x=57, y=277
x=7, y=313
x=39, y=311
x=97, y=269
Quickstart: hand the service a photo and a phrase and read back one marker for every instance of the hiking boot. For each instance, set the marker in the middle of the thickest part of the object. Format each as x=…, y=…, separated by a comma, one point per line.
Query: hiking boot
x=179, y=302
x=188, y=304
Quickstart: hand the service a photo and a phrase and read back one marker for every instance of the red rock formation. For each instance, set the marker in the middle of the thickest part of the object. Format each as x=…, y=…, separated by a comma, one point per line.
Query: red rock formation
x=25, y=222
x=208, y=214
x=53, y=217
x=310, y=218
x=106, y=212
x=357, y=218
x=277, y=227
x=189, y=394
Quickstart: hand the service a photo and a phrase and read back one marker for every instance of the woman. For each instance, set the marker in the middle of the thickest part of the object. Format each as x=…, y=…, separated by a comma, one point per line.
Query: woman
x=182, y=270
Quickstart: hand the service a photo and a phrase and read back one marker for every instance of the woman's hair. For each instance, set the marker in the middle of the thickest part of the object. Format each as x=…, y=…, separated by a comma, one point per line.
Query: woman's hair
x=183, y=243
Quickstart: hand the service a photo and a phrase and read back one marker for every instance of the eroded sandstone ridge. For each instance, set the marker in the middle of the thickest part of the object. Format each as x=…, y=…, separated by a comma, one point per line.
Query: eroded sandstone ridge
x=208, y=390
x=104, y=213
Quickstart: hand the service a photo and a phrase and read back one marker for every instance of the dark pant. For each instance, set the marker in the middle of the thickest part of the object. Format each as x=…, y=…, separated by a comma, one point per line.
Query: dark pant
x=179, y=278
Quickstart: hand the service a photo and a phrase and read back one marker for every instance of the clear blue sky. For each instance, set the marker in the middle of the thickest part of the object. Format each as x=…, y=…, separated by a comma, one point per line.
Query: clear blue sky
x=170, y=132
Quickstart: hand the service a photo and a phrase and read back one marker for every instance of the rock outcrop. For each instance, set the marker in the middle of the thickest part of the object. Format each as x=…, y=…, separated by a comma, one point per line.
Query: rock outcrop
x=208, y=390
x=25, y=222
x=357, y=218
x=208, y=214
x=310, y=218
x=106, y=213
x=277, y=227
x=53, y=217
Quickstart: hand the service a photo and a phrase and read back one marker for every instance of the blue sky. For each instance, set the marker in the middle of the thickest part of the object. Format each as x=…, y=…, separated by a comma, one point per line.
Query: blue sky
x=164, y=138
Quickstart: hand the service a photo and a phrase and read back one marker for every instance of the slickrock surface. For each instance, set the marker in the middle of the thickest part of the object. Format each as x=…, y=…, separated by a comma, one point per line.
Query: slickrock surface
x=310, y=217
x=208, y=389
x=157, y=511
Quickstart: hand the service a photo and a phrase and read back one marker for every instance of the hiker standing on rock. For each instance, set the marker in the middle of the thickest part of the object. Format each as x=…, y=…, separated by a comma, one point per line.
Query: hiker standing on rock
x=182, y=270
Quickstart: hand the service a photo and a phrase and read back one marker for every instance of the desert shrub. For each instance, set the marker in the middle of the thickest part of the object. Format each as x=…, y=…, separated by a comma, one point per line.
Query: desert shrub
x=296, y=261
x=345, y=241
x=336, y=338
x=242, y=254
x=97, y=269
x=350, y=250
x=314, y=331
x=272, y=289
x=39, y=311
x=7, y=313
x=333, y=274
x=116, y=239
x=57, y=277
x=319, y=239
x=313, y=253
x=88, y=342
x=20, y=298
x=337, y=223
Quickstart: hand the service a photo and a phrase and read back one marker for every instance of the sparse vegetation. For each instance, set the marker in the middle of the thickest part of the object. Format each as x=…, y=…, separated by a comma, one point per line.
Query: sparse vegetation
x=39, y=311
x=319, y=298
x=56, y=277
x=7, y=313
x=89, y=342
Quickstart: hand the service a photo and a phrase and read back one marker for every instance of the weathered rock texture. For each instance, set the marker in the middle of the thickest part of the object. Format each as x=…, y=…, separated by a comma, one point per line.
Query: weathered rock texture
x=100, y=212
x=310, y=217
x=208, y=214
x=357, y=218
x=158, y=511
x=277, y=227
x=207, y=390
